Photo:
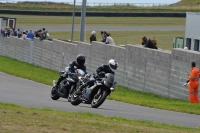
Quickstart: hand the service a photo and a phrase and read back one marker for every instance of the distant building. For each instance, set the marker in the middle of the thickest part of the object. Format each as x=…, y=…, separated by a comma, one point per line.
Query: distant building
x=192, y=31
x=7, y=22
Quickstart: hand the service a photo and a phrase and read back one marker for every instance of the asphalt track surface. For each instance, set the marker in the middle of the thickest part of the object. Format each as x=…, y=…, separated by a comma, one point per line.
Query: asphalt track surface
x=32, y=94
x=104, y=28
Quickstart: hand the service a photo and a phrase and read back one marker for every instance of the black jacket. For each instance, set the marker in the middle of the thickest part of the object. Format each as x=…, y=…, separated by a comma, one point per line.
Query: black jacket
x=104, y=38
x=93, y=38
x=149, y=44
x=105, y=69
x=73, y=65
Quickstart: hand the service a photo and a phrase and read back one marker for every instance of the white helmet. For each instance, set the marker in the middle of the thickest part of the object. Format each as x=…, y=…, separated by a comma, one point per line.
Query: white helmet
x=93, y=32
x=113, y=64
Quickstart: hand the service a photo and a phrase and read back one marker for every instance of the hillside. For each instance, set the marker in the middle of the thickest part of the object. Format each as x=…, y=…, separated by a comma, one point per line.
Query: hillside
x=188, y=2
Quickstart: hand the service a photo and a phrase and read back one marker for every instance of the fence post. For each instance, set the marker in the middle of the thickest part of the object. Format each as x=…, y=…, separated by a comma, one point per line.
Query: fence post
x=31, y=52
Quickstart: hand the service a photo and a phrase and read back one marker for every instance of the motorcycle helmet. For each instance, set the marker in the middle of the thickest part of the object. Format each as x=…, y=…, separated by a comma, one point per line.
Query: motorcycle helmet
x=80, y=59
x=113, y=64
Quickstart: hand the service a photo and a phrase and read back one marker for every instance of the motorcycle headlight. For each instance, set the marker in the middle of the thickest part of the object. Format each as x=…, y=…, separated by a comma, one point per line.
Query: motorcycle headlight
x=79, y=77
x=112, y=89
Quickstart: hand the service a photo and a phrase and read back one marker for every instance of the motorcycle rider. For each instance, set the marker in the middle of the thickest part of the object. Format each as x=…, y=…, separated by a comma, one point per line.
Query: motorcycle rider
x=100, y=72
x=77, y=64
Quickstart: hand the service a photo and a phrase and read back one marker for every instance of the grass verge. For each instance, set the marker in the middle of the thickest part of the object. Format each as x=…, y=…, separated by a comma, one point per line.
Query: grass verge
x=16, y=118
x=37, y=20
x=50, y=6
x=164, y=38
x=123, y=94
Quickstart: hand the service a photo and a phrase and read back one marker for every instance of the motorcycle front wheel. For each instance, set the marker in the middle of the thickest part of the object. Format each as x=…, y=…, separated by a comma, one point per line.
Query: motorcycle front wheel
x=54, y=94
x=75, y=100
x=98, y=100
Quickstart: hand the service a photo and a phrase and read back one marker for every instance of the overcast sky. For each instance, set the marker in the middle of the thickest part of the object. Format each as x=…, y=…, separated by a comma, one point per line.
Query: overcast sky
x=108, y=1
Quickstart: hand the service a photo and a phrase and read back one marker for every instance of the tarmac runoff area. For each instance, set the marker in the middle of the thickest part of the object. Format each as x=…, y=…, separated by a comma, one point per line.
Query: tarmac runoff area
x=32, y=94
x=104, y=28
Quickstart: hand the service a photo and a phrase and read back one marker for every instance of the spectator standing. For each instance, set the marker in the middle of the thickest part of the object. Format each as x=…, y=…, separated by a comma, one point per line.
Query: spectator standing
x=109, y=39
x=193, y=83
x=43, y=34
x=19, y=33
x=14, y=32
x=103, y=35
x=38, y=34
x=30, y=35
x=24, y=35
x=11, y=32
x=3, y=32
x=7, y=32
x=93, y=36
x=47, y=33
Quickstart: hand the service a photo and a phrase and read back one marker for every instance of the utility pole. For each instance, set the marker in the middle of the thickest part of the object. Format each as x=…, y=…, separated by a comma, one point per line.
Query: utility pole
x=72, y=34
x=82, y=26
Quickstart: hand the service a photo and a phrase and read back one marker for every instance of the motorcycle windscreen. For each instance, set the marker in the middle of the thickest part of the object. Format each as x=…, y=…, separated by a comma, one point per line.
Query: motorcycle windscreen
x=109, y=80
x=80, y=72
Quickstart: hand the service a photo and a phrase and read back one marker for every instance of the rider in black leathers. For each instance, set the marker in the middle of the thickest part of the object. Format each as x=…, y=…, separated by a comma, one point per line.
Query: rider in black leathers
x=100, y=72
x=78, y=64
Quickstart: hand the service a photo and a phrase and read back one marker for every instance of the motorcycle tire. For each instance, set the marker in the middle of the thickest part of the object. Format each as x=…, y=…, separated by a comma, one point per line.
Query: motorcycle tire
x=96, y=104
x=69, y=97
x=75, y=100
x=54, y=95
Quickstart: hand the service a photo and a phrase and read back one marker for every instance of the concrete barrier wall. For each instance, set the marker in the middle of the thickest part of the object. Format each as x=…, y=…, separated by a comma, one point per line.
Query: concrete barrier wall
x=15, y=48
x=180, y=66
x=147, y=70
x=101, y=53
x=143, y=69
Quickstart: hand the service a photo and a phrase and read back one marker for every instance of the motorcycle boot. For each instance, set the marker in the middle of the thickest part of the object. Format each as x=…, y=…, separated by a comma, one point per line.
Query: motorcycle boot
x=58, y=82
x=80, y=89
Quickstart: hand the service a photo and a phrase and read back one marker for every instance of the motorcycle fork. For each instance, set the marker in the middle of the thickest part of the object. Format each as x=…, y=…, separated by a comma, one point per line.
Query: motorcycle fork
x=99, y=92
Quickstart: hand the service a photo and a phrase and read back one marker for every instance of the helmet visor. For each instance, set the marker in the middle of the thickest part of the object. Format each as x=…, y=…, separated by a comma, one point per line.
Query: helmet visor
x=81, y=62
x=114, y=67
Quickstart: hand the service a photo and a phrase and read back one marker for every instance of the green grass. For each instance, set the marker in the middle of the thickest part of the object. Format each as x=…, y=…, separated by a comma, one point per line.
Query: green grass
x=27, y=71
x=32, y=20
x=164, y=38
x=188, y=2
x=124, y=94
x=16, y=119
x=47, y=6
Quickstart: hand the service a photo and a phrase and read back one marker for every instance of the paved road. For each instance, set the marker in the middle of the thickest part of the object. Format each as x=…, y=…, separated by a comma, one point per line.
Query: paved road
x=104, y=28
x=28, y=93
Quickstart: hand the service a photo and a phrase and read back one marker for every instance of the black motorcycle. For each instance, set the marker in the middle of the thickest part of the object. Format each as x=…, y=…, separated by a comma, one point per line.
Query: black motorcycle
x=68, y=85
x=96, y=94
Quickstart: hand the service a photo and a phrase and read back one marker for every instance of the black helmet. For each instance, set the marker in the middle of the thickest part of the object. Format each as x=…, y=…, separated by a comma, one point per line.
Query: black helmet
x=80, y=59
